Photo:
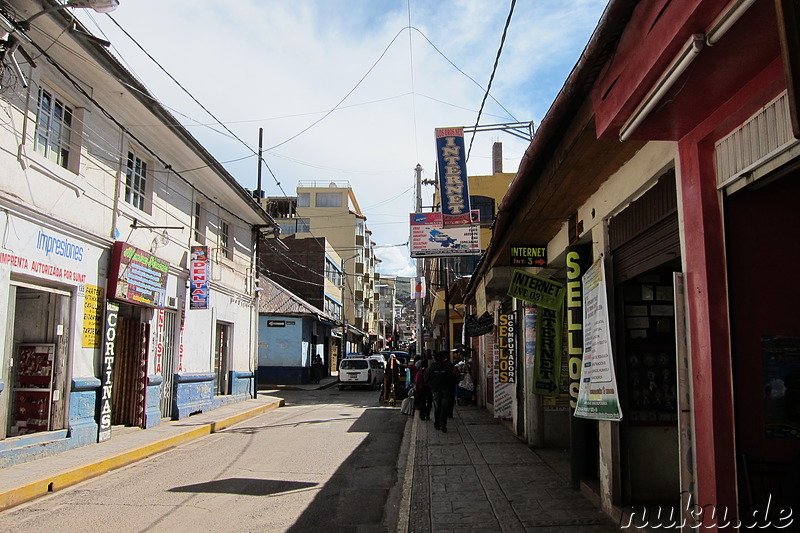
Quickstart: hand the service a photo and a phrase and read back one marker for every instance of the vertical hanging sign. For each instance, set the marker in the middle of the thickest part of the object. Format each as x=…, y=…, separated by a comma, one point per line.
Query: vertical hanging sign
x=576, y=261
x=508, y=349
x=452, y=166
x=547, y=364
x=199, y=275
x=598, y=398
x=107, y=370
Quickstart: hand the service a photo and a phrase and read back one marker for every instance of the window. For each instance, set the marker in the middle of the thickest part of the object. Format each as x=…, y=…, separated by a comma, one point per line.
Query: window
x=304, y=199
x=199, y=223
x=53, y=128
x=485, y=205
x=329, y=199
x=225, y=238
x=136, y=182
x=290, y=226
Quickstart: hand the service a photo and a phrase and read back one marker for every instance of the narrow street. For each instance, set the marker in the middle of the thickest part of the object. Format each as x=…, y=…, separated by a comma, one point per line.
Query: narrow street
x=325, y=461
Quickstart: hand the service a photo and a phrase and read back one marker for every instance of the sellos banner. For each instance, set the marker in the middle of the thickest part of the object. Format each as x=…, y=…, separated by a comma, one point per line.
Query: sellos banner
x=199, y=276
x=452, y=166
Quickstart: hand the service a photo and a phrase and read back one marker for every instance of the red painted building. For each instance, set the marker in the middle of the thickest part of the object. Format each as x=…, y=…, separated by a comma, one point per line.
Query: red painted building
x=696, y=72
x=672, y=151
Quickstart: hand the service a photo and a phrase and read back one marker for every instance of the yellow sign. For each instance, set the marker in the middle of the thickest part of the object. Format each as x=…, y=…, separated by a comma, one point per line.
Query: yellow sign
x=92, y=316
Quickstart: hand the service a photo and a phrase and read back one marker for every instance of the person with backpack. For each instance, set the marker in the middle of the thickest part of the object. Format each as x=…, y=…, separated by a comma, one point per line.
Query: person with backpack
x=440, y=379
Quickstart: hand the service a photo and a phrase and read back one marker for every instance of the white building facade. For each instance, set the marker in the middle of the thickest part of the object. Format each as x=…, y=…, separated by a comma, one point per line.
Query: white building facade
x=127, y=253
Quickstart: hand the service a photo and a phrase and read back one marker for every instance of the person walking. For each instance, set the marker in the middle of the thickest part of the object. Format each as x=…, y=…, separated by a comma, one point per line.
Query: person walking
x=441, y=380
x=422, y=393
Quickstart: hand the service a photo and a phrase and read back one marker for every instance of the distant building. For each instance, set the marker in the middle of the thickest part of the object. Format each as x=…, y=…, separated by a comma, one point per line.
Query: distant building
x=330, y=210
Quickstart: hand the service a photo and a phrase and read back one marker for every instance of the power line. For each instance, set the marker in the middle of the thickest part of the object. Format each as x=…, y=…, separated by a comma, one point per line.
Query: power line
x=491, y=78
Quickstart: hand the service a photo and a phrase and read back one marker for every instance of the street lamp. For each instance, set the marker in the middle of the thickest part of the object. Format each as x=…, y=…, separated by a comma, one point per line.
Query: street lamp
x=100, y=6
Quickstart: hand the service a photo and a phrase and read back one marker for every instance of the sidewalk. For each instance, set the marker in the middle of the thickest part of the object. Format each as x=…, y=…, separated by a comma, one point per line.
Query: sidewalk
x=480, y=477
x=26, y=481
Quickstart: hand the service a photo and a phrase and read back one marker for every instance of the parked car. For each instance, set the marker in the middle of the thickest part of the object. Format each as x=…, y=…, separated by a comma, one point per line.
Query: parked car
x=401, y=356
x=360, y=372
x=380, y=358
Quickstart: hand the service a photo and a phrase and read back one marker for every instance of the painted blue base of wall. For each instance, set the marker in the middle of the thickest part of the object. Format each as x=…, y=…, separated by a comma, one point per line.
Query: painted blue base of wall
x=283, y=375
x=83, y=402
x=194, y=393
x=152, y=408
x=241, y=389
x=82, y=428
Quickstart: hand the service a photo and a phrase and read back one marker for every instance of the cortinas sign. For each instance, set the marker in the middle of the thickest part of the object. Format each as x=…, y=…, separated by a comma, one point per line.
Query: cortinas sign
x=199, y=278
x=452, y=174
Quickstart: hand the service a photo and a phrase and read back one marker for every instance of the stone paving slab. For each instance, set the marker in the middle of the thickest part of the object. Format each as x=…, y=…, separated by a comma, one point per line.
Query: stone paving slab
x=479, y=477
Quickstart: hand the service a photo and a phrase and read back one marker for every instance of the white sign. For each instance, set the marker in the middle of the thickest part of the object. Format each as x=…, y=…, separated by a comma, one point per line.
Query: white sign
x=430, y=238
x=598, y=397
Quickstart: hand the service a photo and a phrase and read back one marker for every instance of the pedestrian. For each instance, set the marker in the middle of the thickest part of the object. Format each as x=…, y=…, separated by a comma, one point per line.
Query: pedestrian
x=439, y=377
x=422, y=393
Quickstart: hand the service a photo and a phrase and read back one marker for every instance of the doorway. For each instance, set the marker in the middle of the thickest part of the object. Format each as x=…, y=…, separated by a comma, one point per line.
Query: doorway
x=39, y=318
x=222, y=359
x=130, y=368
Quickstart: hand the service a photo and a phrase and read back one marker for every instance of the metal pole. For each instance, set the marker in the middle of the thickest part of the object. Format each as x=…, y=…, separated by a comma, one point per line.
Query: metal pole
x=420, y=268
x=260, y=162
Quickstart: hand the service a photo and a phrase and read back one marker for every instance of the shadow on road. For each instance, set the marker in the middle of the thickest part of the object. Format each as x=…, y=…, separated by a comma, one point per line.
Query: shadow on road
x=244, y=486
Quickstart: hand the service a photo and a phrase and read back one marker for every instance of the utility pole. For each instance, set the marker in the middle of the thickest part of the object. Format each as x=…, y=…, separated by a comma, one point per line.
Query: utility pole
x=420, y=267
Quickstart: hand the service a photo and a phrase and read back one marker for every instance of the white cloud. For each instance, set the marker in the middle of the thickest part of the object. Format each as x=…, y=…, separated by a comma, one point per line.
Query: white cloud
x=282, y=65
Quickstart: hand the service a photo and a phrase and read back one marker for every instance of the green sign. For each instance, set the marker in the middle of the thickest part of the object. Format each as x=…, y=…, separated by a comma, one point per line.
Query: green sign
x=535, y=290
x=547, y=364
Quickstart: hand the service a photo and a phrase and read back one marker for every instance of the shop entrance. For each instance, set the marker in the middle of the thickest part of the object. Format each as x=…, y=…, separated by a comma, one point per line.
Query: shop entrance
x=130, y=368
x=645, y=244
x=761, y=224
x=222, y=358
x=40, y=321
x=166, y=360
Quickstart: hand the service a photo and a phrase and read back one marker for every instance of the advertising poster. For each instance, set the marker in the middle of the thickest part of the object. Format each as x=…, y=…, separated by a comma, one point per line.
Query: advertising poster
x=429, y=237
x=199, y=276
x=92, y=316
x=598, y=398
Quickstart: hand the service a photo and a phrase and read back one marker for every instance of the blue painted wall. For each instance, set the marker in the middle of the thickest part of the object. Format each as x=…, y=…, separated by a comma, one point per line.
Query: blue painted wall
x=194, y=393
x=152, y=412
x=284, y=353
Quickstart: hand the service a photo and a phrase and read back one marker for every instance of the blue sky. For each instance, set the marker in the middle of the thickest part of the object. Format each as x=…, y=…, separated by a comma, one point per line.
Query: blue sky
x=345, y=91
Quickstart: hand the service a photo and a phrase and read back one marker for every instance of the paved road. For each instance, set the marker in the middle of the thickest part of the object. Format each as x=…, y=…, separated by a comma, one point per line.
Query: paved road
x=327, y=461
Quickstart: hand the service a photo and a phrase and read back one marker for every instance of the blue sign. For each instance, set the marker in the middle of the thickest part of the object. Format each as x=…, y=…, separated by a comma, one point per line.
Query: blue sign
x=452, y=171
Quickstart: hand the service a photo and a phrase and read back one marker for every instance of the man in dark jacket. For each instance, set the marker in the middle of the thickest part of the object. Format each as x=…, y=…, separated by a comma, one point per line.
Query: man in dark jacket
x=440, y=379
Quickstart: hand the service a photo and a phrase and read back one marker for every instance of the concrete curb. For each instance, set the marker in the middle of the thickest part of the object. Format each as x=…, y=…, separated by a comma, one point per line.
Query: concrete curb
x=65, y=478
x=404, y=511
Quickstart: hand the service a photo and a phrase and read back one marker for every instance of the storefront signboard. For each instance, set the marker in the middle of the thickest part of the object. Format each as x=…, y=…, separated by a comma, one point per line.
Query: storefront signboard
x=107, y=370
x=199, y=276
x=547, y=363
x=536, y=290
x=507, y=334
x=529, y=256
x=452, y=166
x=430, y=238
x=137, y=277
